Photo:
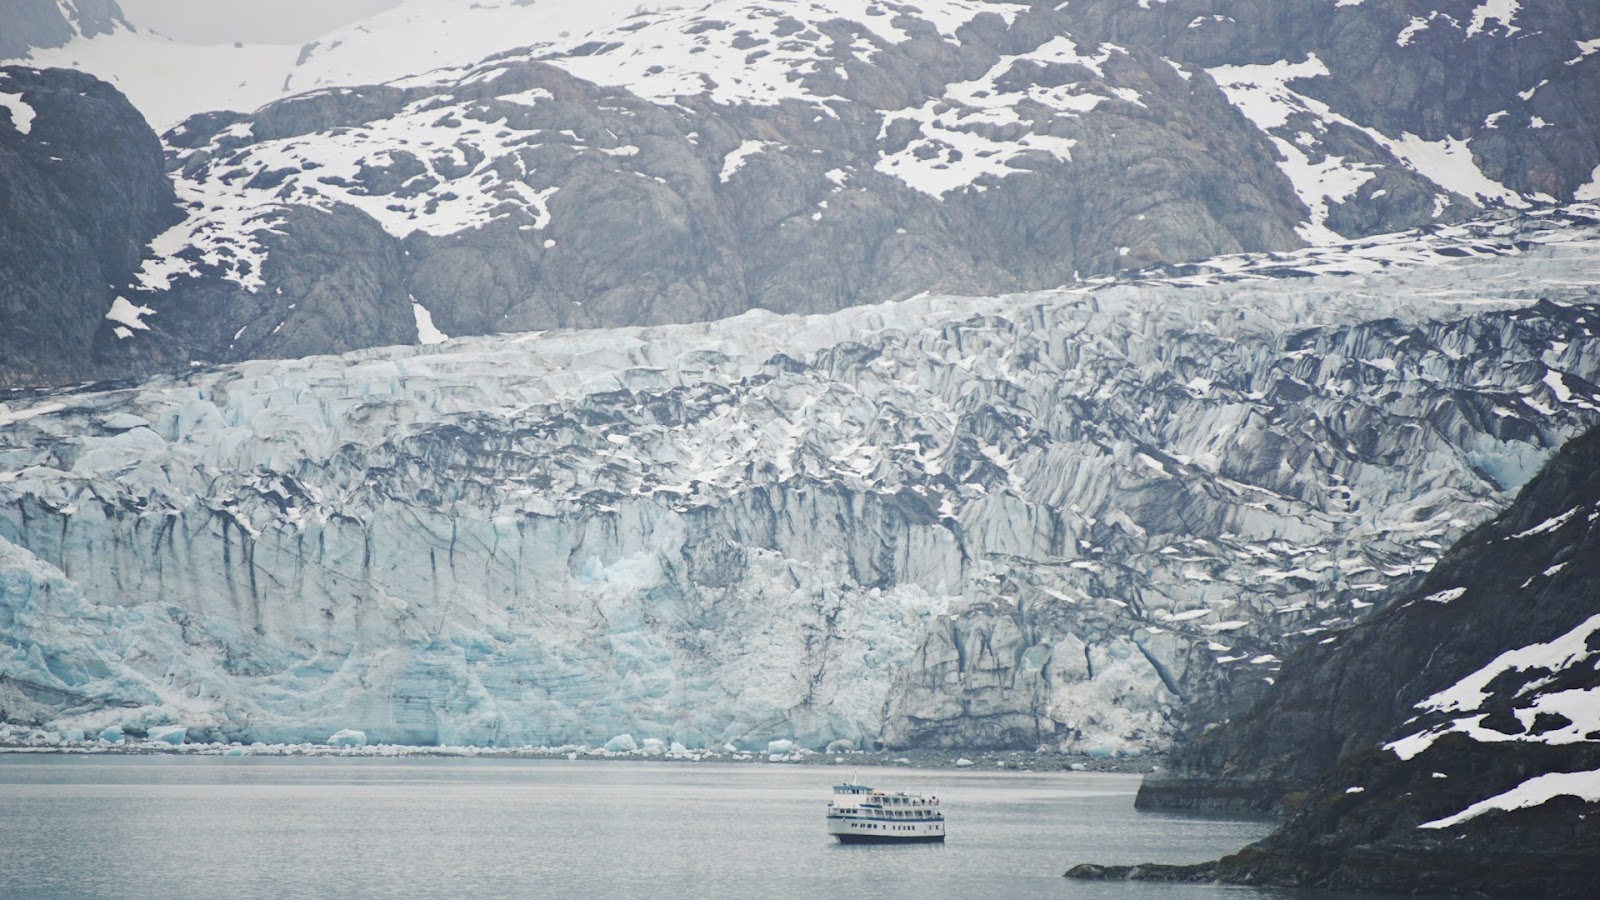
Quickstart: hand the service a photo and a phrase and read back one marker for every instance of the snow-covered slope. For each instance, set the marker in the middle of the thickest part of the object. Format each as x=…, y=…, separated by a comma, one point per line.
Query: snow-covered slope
x=1030, y=519
x=170, y=80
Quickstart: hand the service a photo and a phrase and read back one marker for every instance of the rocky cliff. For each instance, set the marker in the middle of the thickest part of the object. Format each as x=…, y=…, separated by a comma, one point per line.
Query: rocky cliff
x=40, y=24
x=1451, y=743
x=1057, y=519
x=82, y=193
x=1497, y=87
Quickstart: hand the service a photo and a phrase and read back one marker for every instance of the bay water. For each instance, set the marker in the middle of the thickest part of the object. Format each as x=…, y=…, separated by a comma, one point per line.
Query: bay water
x=265, y=826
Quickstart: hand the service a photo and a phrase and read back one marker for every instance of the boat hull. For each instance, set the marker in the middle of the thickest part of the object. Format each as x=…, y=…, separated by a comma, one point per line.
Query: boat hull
x=890, y=839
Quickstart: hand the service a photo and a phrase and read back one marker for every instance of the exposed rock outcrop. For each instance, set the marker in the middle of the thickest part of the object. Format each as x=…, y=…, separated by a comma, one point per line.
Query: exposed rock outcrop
x=1451, y=743
x=32, y=24
x=82, y=192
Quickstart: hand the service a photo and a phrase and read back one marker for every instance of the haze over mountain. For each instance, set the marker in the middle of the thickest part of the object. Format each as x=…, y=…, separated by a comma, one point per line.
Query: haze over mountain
x=243, y=21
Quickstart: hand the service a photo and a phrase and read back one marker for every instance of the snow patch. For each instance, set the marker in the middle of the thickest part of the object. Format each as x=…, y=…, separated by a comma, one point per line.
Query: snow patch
x=1550, y=524
x=123, y=312
x=736, y=157
x=1590, y=191
x=1501, y=11
x=1533, y=792
x=427, y=332
x=1445, y=596
x=957, y=145
x=1263, y=94
x=22, y=113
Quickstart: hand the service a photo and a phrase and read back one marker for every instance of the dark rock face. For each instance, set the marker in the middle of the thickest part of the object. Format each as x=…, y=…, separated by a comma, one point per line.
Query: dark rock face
x=32, y=23
x=1434, y=70
x=82, y=192
x=342, y=293
x=1445, y=744
x=1342, y=697
x=44, y=23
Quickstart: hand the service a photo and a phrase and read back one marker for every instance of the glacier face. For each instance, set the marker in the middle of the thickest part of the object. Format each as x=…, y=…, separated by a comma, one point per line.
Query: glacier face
x=1040, y=519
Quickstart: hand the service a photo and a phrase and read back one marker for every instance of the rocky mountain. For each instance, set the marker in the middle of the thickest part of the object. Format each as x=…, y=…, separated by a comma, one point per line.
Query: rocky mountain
x=38, y=25
x=1065, y=519
x=1496, y=89
x=82, y=193
x=1451, y=742
x=635, y=165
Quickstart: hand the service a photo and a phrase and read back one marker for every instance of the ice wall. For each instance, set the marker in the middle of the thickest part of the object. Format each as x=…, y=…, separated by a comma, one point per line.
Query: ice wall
x=1037, y=519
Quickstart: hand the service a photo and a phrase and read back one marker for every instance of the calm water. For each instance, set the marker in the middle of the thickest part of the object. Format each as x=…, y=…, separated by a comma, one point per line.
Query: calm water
x=271, y=827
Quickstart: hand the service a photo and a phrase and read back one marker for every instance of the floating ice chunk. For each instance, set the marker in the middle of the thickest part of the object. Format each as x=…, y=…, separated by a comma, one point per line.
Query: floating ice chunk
x=842, y=745
x=780, y=747
x=679, y=748
x=348, y=737
x=963, y=762
x=234, y=751
x=74, y=735
x=112, y=734
x=169, y=734
x=622, y=743
x=653, y=746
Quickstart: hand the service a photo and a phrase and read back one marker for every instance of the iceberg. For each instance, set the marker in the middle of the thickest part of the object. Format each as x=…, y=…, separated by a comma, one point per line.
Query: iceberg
x=348, y=737
x=168, y=734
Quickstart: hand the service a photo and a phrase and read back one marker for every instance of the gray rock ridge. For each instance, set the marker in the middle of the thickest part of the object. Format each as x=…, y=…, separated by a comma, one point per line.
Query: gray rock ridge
x=1447, y=744
x=1060, y=518
x=1460, y=70
x=82, y=193
x=34, y=24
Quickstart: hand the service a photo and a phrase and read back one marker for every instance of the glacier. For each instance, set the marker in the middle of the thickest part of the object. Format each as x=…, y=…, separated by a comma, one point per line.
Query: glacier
x=1074, y=519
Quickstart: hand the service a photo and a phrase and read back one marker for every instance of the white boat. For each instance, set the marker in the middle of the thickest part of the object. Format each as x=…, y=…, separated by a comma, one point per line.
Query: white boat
x=860, y=815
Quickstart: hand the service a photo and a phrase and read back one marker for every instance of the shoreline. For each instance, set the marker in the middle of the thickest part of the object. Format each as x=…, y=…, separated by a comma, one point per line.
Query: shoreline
x=986, y=760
